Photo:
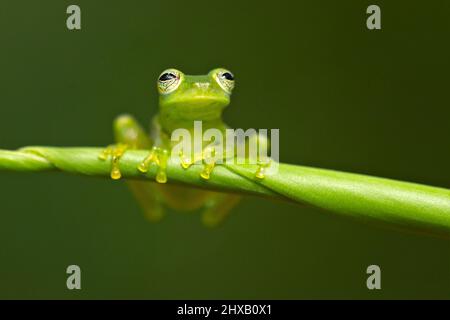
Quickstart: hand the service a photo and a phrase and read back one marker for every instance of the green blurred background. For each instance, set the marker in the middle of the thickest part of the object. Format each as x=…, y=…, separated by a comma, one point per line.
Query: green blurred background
x=343, y=97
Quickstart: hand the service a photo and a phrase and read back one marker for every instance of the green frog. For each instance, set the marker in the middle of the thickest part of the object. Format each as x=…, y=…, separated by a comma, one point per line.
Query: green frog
x=183, y=99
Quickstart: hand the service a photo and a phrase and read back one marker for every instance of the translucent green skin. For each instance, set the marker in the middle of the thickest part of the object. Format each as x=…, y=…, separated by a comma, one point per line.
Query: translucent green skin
x=195, y=98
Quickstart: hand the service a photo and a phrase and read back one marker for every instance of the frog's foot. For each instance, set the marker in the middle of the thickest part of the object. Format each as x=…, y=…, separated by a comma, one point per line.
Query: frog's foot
x=115, y=152
x=207, y=169
x=263, y=164
x=209, y=162
x=159, y=157
x=207, y=157
x=185, y=160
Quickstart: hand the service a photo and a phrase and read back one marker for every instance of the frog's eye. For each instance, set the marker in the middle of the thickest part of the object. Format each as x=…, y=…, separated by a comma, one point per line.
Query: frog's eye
x=169, y=80
x=226, y=80
x=167, y=76
x=228, y=75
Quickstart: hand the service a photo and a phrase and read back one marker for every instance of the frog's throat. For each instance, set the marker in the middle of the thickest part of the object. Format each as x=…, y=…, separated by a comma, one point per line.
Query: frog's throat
x=170, y=125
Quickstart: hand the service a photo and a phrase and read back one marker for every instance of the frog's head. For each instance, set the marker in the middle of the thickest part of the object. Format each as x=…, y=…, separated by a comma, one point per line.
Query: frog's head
x=185, y=97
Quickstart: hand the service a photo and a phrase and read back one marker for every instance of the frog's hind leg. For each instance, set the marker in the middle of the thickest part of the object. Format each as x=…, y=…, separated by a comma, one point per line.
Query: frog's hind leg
x=217, y=208
x=148, y=198
x=130, y=135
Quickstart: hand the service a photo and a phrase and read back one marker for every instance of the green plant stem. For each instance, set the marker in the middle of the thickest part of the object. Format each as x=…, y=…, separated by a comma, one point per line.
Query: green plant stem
x=406, y=205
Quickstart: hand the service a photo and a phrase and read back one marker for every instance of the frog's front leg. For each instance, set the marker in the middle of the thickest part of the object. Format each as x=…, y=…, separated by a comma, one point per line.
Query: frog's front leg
x=207, y=158
x=115, y=151
x=130, y=135
x=159, y=157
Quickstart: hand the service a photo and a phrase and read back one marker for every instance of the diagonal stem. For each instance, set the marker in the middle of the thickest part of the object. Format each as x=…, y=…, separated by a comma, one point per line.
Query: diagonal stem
x=410, y=206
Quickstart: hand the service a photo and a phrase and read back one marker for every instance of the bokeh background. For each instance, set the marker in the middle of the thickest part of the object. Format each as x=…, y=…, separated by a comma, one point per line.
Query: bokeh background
x=343, y=97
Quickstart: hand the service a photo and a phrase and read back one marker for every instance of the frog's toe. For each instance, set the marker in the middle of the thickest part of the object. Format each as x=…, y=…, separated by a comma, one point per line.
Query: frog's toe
x=263, y=164
x=159, y=157
x=209, y=163
x=207, y=169
x=115, y=152
x=185, y=160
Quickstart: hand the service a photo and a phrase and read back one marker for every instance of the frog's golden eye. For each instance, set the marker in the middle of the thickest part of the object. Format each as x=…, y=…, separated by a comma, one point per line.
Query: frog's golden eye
x=169, y=80
x=226, y=80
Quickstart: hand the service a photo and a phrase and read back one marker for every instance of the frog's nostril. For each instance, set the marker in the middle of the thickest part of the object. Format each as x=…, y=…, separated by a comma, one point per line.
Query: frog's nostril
x=202, y=85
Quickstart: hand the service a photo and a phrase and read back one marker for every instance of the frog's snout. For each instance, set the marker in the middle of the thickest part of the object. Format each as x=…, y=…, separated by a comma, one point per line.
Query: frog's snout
x=202, y=85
